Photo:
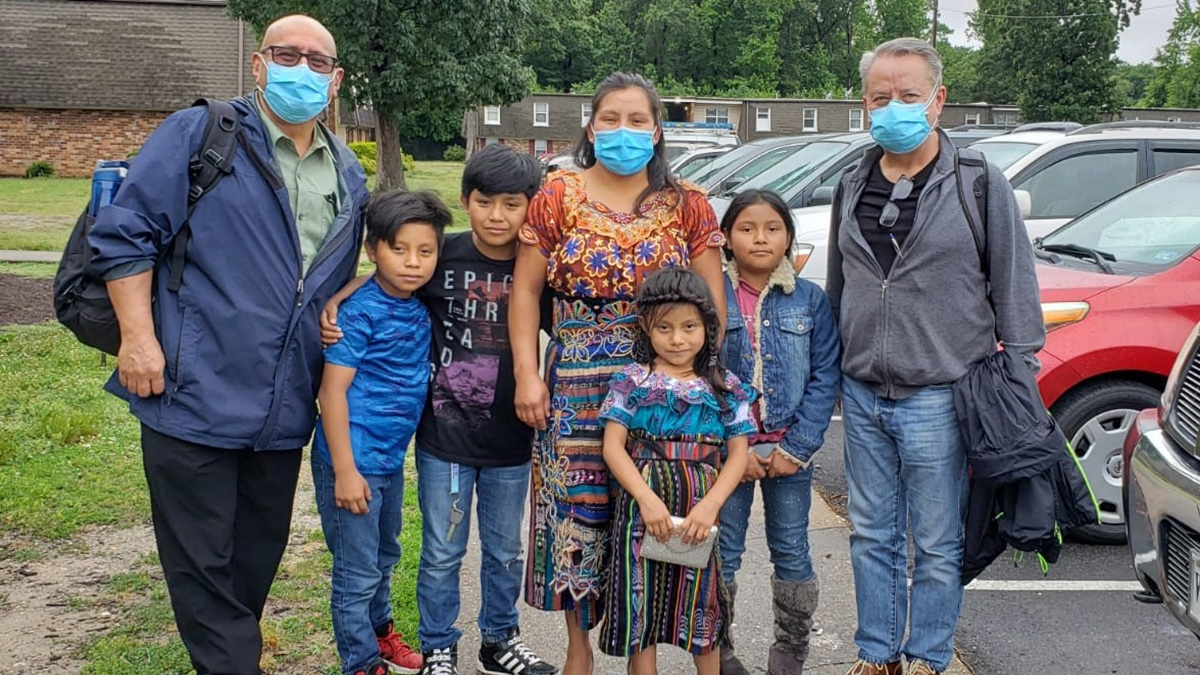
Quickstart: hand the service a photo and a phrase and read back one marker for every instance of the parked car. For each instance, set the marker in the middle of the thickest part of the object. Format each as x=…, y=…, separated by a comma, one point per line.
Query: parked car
x=1120, y=290
x=1004, y=151
x=1162, y=492
x=563, y=160
x=694, y=161
x=1068, y=176
x=739, y=162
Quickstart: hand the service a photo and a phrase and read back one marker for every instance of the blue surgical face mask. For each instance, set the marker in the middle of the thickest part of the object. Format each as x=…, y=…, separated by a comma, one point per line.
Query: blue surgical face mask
x=296, y=93
x=624, y=151
x=901, y=127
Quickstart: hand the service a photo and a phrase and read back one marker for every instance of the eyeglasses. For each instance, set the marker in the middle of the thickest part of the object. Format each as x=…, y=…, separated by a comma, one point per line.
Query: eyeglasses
x=286, y=56
x=891, y=212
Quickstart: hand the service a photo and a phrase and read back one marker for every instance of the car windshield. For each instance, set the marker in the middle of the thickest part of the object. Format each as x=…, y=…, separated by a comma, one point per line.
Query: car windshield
x=1153, y=226
x=694, y=165
x=789, y=173
x=1003, y=154
x=729, y=159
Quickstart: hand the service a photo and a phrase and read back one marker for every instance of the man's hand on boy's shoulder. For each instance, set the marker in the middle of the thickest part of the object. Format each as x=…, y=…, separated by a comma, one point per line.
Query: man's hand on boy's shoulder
x=330, y=333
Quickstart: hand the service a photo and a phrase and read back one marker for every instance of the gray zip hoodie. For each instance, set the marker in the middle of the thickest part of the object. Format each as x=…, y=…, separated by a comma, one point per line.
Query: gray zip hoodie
x=932, y=316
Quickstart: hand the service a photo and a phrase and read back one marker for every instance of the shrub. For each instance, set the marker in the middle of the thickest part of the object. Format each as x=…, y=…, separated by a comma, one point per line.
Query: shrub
x=368, y=165
x=364, y=149
x=407, y=161
x=455, y=153
x=40, y=170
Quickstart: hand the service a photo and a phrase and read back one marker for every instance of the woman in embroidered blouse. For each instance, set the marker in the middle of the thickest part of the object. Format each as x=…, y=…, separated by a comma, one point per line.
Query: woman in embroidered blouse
x=592, y=238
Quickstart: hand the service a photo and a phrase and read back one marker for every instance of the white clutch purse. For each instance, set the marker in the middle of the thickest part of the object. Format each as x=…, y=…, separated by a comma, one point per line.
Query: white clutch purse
x=676, y=552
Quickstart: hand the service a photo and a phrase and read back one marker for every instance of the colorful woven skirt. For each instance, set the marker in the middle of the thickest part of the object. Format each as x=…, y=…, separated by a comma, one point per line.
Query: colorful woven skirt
x=651, y=602
x=569, y=496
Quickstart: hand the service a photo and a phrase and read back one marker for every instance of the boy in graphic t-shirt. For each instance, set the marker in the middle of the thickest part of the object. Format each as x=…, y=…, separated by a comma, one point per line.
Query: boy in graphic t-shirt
x=470, y=444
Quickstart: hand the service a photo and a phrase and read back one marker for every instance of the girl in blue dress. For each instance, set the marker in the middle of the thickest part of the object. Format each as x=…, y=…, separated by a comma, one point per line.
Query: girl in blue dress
x=676, y=440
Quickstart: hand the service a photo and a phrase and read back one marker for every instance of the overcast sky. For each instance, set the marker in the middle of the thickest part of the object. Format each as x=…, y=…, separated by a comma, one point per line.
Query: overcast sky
x=1145, y=34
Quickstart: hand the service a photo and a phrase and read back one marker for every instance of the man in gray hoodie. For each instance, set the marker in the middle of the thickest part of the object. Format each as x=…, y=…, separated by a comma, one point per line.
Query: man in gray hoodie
x=916, y=306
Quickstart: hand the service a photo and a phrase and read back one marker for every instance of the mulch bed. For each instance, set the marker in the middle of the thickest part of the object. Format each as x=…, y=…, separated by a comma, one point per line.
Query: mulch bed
x=24, y=300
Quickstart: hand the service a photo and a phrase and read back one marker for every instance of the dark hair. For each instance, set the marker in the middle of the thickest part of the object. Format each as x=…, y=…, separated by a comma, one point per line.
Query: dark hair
x=658, y=171
x=673, y=286
x=498, y=169
x=388, y=211
x=750, y=197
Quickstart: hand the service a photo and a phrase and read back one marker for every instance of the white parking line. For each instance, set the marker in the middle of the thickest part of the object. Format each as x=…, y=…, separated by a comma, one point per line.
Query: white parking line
x=1051, y=586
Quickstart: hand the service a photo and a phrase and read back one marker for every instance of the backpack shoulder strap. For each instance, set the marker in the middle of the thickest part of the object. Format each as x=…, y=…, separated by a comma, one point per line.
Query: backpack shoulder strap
x=212, y=162
x=971, y=169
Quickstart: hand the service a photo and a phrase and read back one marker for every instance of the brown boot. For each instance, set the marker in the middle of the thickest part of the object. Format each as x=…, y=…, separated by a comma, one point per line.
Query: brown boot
x=921, y=668
x=730, y=665
x=861, y=667
x=794, y=602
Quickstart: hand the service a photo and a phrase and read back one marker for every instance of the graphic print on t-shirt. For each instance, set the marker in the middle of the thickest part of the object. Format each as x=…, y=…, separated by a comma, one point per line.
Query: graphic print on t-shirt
x=475, y=321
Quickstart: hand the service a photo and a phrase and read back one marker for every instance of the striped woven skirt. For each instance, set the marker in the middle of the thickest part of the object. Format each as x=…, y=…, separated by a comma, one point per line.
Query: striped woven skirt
x=651, y=602
x=569, y=495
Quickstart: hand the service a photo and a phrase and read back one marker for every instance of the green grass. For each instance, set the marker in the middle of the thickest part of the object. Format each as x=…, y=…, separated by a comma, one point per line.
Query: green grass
x=36, y=270
x=37, y=214
x=69, y=453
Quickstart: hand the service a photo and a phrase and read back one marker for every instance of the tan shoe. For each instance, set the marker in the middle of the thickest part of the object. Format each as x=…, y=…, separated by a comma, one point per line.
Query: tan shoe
x=861, y=667
x=921, y=668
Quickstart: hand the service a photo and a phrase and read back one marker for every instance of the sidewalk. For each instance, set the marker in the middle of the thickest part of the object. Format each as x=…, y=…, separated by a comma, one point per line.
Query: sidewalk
x=833, y=647
x=30, y=256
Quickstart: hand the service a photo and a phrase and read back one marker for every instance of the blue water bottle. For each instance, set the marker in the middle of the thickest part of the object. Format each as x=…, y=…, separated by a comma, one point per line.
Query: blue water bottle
x=106, y=179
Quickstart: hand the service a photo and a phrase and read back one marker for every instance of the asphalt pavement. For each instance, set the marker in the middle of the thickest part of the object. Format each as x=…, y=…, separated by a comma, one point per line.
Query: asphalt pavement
x=1080, y=619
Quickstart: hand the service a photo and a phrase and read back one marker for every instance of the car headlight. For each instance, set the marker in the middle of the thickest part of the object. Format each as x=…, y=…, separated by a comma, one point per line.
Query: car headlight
x=1181, y=359
x=800, y=255
x=1059, y=314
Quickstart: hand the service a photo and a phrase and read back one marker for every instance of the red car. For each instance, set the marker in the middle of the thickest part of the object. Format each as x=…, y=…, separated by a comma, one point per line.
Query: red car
x=1120, y=290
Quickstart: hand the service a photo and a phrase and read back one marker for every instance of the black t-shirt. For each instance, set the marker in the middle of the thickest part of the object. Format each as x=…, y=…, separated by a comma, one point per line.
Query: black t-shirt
x=875, y=195
x=469, y=416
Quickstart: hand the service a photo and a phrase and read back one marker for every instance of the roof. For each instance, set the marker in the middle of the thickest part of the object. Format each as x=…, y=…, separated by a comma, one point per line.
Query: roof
x=158, y=55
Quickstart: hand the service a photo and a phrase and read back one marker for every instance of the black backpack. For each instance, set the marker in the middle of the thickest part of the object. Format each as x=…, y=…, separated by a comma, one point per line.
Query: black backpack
x=81, y=301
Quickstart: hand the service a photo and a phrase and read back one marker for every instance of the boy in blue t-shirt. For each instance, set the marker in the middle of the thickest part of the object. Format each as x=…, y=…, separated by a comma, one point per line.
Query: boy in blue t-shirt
x=471, y=447
x=372, y=394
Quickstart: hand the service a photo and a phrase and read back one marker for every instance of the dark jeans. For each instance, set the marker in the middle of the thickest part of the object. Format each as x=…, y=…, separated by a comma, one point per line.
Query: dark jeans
x=221, y=522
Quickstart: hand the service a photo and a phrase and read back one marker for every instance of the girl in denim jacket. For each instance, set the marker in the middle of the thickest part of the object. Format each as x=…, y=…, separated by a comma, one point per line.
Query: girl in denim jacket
x=781, y=336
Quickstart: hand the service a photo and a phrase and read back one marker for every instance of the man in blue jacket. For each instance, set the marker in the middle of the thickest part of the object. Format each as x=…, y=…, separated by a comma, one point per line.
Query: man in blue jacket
x=223, y=373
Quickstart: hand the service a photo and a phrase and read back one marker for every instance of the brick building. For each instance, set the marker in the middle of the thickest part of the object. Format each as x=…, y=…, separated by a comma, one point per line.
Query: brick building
x=549, y=123
x=90, y=79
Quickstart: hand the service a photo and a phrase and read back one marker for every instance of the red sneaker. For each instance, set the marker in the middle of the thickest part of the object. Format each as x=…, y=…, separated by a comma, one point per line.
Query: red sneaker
x=399, y=657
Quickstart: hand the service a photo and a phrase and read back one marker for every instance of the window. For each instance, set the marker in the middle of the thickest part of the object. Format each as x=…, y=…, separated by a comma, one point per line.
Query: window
x=1169, y=159
x=491, y=141
x=491, y=115
x=856, y=119
x=971, y=118
x=1007, y=119
x=539, y=147
x=1075, y=184
x=810, y=119
x=585, y=114
x=541, y=114
x=716, y=115
x=762, y=119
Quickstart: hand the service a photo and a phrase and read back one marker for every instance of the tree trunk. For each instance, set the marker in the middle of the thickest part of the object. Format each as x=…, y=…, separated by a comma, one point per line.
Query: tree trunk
x=389, y=169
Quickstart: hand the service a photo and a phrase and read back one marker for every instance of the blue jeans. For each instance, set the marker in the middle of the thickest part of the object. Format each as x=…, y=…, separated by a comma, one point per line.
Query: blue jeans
x=499, y=493
x=365, y=548
x=786, y=502
x=906, y=467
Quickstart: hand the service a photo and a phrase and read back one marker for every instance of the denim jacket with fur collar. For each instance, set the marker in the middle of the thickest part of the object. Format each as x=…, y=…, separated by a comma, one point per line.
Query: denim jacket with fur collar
x=797, y=371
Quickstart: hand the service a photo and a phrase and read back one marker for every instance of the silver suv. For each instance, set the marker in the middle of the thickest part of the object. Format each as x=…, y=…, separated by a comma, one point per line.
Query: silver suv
x=1068, y=176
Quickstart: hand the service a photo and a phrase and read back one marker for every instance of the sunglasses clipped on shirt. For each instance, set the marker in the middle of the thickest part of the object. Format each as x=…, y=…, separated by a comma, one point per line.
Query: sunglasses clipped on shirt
x=891, y=211
x=288, y=57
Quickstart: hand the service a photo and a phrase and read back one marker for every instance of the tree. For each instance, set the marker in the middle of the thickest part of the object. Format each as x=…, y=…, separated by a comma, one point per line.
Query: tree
x=1061, y=53
x=1132, y=81
x=415, y=58
x=1176, y=82
x=960, y=74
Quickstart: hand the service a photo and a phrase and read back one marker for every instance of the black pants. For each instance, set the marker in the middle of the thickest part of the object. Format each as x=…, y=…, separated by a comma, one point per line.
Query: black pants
x=221, y=522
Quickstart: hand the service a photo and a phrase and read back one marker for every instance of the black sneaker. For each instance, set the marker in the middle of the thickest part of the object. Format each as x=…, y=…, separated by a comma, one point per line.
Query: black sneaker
x=440, y=661
x=512, y=657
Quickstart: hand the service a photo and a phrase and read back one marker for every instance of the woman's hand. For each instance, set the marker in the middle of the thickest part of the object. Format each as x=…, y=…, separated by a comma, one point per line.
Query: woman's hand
x=756, y=468
x=699, y=522
x=351, y=492
x=655, y=517
x=532, y=400
x=330, y=333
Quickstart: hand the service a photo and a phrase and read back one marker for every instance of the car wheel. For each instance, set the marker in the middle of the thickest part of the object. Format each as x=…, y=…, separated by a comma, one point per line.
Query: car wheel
x=1095, y=418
